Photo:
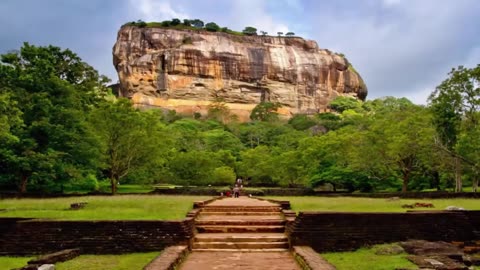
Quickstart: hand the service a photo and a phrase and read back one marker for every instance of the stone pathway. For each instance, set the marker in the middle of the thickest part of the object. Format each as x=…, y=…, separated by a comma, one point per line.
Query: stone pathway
x=240, y=260
x=240, y=233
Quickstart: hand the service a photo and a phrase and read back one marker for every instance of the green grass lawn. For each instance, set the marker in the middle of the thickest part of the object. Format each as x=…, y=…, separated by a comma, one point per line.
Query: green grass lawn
x=104, y=187
x=13, y=262
x=351, y=204
x=120, y=207
x=108, y=262
x=366, y=259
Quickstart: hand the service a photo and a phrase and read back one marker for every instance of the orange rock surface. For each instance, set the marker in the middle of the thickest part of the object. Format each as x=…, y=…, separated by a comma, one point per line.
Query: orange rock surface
x=185, y=70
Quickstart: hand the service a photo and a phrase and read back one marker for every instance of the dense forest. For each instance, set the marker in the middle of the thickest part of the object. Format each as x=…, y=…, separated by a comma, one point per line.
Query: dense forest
x=61, y=127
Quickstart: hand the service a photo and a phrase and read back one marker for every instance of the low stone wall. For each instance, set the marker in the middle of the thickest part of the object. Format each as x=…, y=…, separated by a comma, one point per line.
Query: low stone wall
x=30, y=236
x=215, y=191
x=405, y=195
x=325, y=231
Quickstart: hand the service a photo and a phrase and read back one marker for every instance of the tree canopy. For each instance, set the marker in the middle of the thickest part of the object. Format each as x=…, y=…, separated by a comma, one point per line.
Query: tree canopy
x=60, y=127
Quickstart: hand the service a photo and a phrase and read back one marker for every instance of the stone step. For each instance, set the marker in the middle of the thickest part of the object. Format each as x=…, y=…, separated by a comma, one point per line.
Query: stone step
x=238, y=213
x=240, y=250
x=239, y=245
x=277, y=217
x=248, y=222
x=241, y=209
x=240, y=228
x=243, y=237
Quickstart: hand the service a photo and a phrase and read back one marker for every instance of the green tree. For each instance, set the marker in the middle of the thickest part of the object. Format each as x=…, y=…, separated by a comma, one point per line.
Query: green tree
x=223, y=175
x=257, y=164
x=395, y=143
x=212, y=27
x=290, y=170
x=197, y=23
x=166, y=23
x=456, y=100
x=218, y=139
x=250, y=31
x=290, y=34
x=54, y=89
x=302, y=122
x=218, y=110
x=175, y=22
x=265, y=111
x=193, y=167
x=130, y=139
x=341, y=104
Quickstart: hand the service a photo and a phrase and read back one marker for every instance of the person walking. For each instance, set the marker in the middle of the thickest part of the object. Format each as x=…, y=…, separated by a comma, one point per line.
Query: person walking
x=236, y=191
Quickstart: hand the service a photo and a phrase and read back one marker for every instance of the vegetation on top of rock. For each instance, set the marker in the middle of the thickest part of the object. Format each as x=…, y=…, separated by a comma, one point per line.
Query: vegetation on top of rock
x=197, y=24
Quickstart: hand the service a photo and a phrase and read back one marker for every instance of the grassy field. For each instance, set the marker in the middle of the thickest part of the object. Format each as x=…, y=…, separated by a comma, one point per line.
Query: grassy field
x=13, y=262
x=108, y=262
x=121, y=207
x=351, y=204
x=366, y=259
x=104, y=187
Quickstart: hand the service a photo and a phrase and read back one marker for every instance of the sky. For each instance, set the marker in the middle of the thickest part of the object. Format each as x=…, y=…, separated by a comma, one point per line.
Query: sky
x=401, y=48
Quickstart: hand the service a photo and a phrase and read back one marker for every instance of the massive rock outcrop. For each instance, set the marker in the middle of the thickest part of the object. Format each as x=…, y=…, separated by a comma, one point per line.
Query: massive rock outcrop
x=186, y=70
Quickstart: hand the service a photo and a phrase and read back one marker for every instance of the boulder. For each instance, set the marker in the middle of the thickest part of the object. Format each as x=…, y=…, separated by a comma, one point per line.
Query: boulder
x=422, y=247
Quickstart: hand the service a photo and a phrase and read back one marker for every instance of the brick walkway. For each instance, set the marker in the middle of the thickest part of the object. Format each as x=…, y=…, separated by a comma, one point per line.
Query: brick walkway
x=242, y=201
x=240, y=233
x=240, y=260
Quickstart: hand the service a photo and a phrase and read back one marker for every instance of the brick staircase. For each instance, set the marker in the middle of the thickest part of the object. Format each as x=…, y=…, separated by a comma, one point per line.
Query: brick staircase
x=240, y=228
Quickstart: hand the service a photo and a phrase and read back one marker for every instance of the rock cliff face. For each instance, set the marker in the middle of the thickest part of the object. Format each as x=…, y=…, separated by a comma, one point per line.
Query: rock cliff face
x=186, y=70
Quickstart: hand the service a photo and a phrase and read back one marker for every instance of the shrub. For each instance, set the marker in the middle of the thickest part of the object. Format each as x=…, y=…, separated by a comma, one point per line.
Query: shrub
x=89, y=183
x=223, y=175
x=302, y=122
x=166, y=23
x=212, y=27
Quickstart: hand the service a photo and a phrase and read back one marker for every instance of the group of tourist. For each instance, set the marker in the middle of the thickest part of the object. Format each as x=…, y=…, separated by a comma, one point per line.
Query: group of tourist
x=235, y=193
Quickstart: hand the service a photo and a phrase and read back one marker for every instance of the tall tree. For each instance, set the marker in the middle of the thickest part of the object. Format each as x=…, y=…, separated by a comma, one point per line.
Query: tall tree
x=130, y=139
x=456, y=100
x=53, y=89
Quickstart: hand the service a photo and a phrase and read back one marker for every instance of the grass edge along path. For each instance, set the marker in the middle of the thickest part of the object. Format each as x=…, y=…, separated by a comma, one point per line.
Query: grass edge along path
x=108, y=262
x=119, y=207
x=354, y=204
x=366, y=259
x=7, y=262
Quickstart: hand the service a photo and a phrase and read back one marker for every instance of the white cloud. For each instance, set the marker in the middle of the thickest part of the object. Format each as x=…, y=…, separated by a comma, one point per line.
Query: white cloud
x=404, y=51
x=254, y=13
x=155, y=10
x=389, y=3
